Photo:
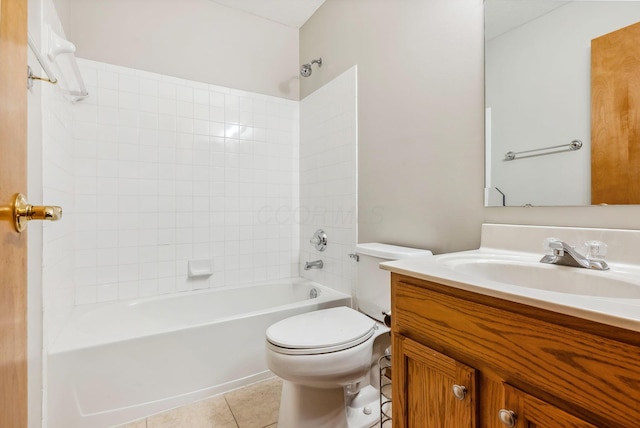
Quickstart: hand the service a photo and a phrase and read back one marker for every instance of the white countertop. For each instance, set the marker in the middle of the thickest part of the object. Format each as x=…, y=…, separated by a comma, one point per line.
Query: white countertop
x=619, y=312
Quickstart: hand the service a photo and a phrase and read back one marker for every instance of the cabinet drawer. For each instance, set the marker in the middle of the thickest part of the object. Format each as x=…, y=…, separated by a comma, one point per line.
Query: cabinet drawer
x=595, y=378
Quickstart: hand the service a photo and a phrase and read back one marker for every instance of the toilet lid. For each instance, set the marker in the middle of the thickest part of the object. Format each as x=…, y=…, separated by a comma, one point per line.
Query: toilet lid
x=326, y=330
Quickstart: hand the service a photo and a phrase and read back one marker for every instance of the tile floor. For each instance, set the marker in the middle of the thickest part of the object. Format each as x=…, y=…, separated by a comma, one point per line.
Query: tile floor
x=254, y=406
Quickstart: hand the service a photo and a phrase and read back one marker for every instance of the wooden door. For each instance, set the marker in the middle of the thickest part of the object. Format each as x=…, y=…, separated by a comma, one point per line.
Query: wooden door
x=13, y=250
x=531, y=412
x=615, y=117
x=427, y=399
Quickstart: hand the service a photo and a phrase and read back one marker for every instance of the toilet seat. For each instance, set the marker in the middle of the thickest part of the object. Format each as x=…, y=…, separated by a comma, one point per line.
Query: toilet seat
x=320, y=332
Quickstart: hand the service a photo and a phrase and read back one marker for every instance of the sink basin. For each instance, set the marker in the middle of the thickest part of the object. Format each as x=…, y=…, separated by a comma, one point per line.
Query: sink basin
x=560, y=279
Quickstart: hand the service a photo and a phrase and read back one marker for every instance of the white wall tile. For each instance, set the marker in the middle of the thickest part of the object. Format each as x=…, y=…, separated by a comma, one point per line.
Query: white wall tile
x=129, y=83
x=167, y=90
x=157, y=184
x=328, y=186
x=107, y=79
x=149, y=87
x=107, y=292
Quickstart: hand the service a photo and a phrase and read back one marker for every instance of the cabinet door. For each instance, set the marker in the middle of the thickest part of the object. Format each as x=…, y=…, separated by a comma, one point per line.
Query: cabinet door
x=431, y=390
x=531, y=412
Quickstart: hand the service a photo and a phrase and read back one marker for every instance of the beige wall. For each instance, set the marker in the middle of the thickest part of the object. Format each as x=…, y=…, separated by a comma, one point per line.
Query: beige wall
x=420, y=101
x=420, y=71
x=63, y=8
x=193, y=39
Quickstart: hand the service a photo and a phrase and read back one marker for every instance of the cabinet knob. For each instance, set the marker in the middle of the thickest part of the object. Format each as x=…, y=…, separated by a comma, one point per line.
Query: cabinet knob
x=507, y=417
x=459, y=391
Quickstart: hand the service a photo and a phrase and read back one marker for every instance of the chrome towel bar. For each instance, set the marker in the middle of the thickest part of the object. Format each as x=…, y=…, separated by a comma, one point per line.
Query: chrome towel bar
x=572, y=146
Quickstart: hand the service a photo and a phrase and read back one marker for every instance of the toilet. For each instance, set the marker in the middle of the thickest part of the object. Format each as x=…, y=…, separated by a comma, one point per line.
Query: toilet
x=328, y=358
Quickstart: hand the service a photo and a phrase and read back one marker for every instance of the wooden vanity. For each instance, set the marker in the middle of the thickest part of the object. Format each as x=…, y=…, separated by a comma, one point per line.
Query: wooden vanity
x=463, y=359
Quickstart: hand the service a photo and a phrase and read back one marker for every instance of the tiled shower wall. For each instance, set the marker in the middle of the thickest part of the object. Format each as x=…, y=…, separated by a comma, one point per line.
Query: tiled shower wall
x=328, y=180
x=169, y=170
x=57, y=189
x=58, y=237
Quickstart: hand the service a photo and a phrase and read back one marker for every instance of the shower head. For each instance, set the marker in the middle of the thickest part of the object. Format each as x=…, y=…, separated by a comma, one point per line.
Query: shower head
x=305, y=69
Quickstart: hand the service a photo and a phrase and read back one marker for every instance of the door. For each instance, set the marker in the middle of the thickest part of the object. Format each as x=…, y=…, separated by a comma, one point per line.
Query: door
x=438, y=391
x=13, y=249
x=526, y=411
x=615, y=117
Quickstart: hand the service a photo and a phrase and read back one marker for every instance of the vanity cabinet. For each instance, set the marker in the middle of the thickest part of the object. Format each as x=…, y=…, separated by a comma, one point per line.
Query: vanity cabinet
x=440, y=391
x=463, y=359
x=525, y=410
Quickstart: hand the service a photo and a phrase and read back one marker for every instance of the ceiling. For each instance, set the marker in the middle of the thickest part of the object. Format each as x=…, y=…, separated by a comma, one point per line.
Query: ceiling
x=501, y=15
x=504, y=15
x=293, y=13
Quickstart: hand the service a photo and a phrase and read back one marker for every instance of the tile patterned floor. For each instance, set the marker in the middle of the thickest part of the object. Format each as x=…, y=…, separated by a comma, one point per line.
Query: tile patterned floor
x=255, y=406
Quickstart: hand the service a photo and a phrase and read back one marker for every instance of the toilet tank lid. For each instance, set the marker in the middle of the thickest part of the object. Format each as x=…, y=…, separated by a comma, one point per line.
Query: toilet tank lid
x=390, y=252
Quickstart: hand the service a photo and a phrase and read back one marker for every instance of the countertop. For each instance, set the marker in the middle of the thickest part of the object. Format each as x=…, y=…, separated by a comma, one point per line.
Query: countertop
x=618, y=312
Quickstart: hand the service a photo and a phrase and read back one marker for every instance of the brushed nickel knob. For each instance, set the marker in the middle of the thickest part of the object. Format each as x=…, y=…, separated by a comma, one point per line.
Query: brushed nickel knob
x=459, y=391
x=507, y=417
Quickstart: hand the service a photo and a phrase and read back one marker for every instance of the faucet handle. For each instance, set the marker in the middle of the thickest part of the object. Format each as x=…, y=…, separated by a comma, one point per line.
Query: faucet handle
x=550, y=246
x=319, y=240
x=596, y=250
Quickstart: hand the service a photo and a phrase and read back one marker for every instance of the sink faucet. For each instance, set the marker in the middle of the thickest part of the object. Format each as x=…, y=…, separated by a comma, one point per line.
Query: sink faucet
x=561, y=253
x=316, y=264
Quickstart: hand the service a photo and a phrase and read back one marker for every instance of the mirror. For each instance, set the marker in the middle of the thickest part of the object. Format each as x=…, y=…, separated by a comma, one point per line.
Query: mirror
x=537, y=96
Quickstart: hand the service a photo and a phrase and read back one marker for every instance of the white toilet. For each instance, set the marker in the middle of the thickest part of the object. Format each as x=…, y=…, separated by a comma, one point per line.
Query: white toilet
x=328, y=358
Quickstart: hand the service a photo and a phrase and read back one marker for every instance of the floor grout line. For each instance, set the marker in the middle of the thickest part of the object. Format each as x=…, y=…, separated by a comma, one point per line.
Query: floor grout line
x=231, y=410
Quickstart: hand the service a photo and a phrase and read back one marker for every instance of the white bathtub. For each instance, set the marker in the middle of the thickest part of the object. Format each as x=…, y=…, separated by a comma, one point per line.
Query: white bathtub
x=121, y=361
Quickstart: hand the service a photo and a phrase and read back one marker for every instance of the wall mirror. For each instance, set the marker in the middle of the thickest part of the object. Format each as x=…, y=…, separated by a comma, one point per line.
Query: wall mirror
x=538, y=95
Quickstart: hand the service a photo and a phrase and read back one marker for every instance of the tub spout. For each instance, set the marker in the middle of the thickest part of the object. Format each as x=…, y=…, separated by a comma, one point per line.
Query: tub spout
x=316, y=264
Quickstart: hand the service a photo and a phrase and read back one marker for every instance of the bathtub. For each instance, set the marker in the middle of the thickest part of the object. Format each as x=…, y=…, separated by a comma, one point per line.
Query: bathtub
x=121, y=361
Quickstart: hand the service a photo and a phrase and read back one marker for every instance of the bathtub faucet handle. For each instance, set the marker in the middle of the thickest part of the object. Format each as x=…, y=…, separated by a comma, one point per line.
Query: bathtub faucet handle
x=319, y=240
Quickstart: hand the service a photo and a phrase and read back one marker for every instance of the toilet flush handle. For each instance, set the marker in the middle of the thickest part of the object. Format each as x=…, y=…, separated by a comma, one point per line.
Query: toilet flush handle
x=387, y=318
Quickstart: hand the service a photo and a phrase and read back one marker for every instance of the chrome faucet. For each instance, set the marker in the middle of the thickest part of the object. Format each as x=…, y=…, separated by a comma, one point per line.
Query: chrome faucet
x=561, y=253
x=316, y=264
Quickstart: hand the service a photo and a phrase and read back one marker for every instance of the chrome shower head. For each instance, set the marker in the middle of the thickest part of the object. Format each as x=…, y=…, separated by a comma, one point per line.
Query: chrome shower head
x=305, y=69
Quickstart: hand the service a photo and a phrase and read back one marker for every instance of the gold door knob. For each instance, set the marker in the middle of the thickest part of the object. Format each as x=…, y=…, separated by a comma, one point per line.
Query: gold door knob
x=21, y=212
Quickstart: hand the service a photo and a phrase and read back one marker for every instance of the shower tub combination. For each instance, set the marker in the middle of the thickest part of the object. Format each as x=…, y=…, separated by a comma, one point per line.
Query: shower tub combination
x=122, y=361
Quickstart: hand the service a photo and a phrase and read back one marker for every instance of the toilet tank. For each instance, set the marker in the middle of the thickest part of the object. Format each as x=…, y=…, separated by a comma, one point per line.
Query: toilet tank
x=373, y=286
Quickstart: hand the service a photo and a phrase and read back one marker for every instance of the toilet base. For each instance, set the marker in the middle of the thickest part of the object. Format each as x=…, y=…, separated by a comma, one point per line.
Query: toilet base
x=303, y=406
